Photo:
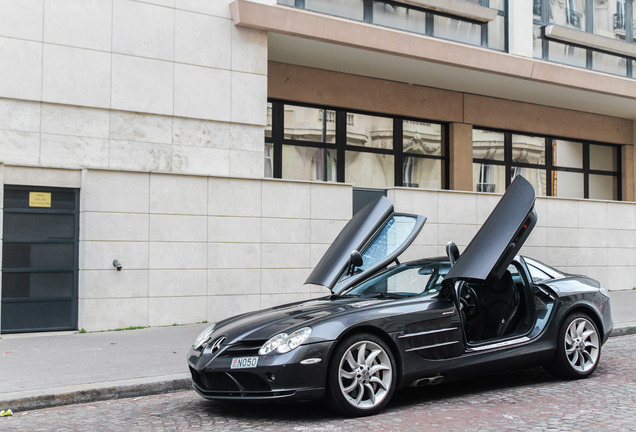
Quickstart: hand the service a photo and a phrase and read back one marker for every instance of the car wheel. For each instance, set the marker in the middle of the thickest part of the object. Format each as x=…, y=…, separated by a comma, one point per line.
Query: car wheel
x=578, y=348
x=361, y=377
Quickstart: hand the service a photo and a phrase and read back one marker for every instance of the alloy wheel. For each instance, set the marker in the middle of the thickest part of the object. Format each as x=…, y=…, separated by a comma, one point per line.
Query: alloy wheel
x=581, y=345
x=365, y=375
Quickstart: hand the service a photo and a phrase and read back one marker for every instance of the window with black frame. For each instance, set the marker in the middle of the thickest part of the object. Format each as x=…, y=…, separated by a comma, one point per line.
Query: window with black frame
x=554, y=166
x=418, y=19
x=369, y=150
x=612, y=19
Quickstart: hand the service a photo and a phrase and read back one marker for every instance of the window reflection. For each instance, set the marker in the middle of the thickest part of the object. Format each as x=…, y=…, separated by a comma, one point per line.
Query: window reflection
x=372, y=170
x=570, y=13
x=310, y=124
x=353, y=9
x=370, y=131
x=399, y=17
x=609, y=63
x=567, y=54
x=489, y=178
x=488, y=145
x=309, y=163
x=422, y=173
x=457, y=30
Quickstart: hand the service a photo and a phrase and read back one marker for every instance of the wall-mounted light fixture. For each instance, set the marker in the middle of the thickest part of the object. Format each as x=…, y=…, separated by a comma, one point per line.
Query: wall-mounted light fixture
x=117, y=265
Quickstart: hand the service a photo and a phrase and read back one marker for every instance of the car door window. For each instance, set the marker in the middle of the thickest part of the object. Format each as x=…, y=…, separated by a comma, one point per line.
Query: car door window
x=392, y=236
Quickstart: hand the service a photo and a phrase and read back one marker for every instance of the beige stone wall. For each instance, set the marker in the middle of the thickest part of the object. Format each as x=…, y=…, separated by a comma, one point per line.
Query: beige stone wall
x=197, y=248
x=153, y=86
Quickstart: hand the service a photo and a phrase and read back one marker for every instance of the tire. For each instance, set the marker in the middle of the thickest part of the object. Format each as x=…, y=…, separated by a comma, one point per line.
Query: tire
x=362, y=376
x=578, y=348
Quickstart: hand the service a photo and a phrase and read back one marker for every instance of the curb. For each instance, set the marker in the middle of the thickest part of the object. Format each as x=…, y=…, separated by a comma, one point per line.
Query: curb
x=96, y=394
x=623, y=330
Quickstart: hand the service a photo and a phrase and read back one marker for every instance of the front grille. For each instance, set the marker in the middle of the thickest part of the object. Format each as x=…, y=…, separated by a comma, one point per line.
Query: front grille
x=230, y=382
x=243, y=349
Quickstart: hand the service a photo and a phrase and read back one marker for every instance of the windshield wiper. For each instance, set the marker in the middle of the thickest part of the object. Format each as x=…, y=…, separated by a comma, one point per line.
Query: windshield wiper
x=383, y=295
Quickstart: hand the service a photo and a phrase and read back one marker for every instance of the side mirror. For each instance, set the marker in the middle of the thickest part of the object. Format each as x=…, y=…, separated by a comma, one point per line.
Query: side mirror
x=452, y=251
x=355, y=260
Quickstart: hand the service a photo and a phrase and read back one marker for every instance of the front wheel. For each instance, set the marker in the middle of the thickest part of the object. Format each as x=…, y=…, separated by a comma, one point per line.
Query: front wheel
x=361, y=377
x=578, y=348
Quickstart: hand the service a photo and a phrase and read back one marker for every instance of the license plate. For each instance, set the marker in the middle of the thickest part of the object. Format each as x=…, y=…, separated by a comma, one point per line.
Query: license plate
x=244, y=362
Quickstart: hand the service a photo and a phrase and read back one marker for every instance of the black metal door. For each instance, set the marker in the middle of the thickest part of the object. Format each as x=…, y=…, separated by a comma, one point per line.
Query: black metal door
x=39, y=259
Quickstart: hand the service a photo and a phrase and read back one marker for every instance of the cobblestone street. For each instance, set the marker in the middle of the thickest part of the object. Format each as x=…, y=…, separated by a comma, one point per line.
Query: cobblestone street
x=529, y=401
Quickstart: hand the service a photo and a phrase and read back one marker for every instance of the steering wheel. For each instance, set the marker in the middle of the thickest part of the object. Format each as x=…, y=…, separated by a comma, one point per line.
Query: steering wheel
x=469, y=303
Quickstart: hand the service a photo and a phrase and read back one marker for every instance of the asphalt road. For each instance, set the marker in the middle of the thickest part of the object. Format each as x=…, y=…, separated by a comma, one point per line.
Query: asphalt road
x=529, y=401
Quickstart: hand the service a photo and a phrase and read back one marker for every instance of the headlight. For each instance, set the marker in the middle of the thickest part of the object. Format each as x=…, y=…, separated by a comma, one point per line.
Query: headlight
x=203, y=337
x=284, y=343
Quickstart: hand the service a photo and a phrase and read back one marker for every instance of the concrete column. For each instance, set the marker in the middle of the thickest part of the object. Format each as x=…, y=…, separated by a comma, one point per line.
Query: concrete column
x=520, y=28
x=628, y=165
x=460, y=139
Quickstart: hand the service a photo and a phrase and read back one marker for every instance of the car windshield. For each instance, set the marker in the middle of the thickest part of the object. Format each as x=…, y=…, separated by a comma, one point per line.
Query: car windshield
x=404, y=280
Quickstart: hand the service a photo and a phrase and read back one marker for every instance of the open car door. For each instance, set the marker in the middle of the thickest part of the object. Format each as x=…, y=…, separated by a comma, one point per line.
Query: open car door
x=378, y=236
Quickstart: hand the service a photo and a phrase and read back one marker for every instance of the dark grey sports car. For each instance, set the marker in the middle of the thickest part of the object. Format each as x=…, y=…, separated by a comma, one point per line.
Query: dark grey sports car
x=389, y=324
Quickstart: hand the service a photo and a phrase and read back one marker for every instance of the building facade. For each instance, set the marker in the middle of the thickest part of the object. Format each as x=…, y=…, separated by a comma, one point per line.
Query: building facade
x=214, y=148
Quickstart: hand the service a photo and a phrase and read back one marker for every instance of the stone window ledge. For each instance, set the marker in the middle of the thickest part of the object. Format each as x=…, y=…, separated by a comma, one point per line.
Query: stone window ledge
x=590, y=40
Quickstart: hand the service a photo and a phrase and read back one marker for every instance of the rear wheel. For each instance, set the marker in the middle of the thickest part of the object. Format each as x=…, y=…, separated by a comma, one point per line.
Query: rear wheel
x=578, y=348
x=361, y=377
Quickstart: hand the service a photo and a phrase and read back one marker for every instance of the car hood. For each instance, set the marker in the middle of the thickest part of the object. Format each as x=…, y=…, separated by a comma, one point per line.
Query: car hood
x=263, y=324
x=500, y=238
x=378, y=233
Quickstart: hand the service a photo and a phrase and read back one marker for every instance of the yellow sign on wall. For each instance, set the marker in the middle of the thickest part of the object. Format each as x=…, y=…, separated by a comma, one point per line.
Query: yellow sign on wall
x=39, y=199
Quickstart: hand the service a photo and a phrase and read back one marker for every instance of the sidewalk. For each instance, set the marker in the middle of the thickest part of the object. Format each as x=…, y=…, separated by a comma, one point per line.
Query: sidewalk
x=40, y=370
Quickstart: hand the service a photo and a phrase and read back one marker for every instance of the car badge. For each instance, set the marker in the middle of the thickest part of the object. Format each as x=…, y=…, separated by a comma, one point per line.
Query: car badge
x=217, y=344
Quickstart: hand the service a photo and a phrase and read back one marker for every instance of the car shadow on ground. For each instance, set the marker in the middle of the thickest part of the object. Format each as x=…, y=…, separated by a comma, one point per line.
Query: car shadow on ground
x=402, y=399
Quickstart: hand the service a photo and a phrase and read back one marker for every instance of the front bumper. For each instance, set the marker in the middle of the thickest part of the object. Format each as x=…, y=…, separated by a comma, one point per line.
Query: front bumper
x=277, y=377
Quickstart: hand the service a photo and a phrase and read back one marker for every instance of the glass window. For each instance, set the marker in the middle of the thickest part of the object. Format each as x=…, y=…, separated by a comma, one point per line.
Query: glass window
x=609, y=63
x=268, y=127
x=457, y=30
x=536, y=177
x=422, y=138
x=570, y=13
x=370, y=131
x=603, y=157
x=567, y=54
x=489, y=178
x=422, y=172
x=310, y=124
x=422, y=279
x=372, y=170
x=567, y=154
x=528, y=149
x=309, y=163
x=603, y=187
x=497, y=33
x=392, y=236
x=399, y=17
x=536, y=9
x=609, y=18
x=269, y=160
x=353, y=9
x=488, y=145
x=537, y=42
x=567, y=184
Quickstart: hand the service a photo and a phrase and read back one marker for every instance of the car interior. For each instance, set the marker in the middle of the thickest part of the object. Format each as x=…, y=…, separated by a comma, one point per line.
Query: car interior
x=497, y=309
